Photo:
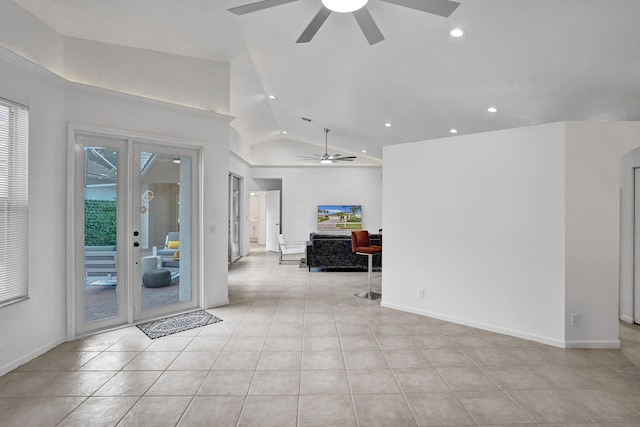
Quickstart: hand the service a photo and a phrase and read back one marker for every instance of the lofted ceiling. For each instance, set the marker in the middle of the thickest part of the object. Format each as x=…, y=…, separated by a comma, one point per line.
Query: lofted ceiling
x=536, y=61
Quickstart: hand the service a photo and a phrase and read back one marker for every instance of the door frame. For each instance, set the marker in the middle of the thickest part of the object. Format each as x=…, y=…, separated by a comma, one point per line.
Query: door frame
x=235, y=223
x=629, y=305
x=273, y=219
x=189, y=229
x=71, y=236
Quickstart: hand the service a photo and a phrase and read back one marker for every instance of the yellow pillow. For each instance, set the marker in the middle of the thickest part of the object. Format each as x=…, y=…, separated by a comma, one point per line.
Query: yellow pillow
x=173, y=244
x=177, y=254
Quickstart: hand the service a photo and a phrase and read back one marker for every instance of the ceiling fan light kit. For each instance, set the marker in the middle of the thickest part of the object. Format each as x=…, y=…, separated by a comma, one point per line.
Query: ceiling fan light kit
x=359, y=9
x=344, y=6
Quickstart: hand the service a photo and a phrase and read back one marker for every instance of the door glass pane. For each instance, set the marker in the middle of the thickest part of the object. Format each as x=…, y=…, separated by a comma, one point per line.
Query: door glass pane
x=165, y=231
x=234, y=217
x=100, y=233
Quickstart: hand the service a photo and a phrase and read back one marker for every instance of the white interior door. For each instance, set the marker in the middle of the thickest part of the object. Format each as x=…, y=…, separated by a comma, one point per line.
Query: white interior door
x=273, y=220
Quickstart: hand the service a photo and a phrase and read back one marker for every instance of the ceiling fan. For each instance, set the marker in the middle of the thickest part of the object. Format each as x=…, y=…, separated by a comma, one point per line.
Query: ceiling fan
x=326, y=157
x=359, y=9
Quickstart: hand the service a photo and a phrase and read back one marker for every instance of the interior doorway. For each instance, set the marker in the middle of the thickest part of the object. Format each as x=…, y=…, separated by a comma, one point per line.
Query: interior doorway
x=630, y=237
x=265, y=217
x=256, y=217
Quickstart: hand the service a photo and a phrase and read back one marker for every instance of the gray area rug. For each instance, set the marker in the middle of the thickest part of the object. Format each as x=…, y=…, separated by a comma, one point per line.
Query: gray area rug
x=178, y=323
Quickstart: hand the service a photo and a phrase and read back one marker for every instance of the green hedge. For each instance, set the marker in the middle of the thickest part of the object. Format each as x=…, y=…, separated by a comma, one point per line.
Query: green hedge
x=100, y=222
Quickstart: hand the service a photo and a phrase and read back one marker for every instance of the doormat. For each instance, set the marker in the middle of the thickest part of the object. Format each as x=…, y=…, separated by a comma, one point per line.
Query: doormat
x=178, y=323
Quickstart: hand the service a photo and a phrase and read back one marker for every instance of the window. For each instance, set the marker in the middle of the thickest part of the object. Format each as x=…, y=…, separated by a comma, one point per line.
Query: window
x=14, y=142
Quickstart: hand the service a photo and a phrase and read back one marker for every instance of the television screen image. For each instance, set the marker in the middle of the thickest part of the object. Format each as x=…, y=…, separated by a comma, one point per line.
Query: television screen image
x=339, y=217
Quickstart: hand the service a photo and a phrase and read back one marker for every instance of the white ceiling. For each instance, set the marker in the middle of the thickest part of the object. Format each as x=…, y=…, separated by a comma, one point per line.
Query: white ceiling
x=537, y=61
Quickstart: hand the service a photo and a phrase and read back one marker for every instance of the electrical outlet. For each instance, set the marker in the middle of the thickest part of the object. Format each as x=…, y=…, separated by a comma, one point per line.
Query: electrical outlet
x=575, y=319
x=421, y=293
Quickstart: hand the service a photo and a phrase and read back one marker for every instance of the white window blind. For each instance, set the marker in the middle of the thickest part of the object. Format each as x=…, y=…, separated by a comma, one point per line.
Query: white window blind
x=14, y=148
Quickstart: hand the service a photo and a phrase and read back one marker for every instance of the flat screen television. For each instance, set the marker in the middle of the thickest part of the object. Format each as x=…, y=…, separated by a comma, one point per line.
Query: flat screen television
x=339, y=217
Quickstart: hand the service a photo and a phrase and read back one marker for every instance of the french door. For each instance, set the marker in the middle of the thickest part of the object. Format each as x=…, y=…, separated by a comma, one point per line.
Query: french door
x=135, y=230
x=235, y=185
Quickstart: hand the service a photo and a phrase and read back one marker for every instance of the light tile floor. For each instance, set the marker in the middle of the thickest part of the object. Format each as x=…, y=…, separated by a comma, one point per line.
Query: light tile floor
x=297, y=349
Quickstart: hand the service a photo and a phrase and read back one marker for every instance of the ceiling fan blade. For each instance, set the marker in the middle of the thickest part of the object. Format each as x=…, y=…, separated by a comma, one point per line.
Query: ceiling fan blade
x=310, y=157
x=259, y=5
x=314, y=25
x=345, y=158
x=437, y=7
x=368, y=26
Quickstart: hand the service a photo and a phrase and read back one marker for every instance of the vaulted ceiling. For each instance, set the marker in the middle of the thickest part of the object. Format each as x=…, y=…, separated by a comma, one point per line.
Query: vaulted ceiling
x=536, y=61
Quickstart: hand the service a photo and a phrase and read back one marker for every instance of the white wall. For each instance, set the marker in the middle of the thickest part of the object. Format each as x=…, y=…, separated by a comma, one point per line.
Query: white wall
x=518, y=230
x=238, y=146
x=176, y=79
x=33, y=326
x=29, y=37
x=477, y=221
x=304, y=188
x=39, y=323
x=594, y=152
x=162, y=122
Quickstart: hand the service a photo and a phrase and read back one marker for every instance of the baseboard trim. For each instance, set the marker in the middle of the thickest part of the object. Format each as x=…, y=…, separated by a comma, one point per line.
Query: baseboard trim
x=30, y=356
x=627, y=319
x=594, y=344
x=487, y=327
x=218, y=304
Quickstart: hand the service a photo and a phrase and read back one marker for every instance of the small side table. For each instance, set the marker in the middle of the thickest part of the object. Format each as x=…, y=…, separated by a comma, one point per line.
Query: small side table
x=148, y=263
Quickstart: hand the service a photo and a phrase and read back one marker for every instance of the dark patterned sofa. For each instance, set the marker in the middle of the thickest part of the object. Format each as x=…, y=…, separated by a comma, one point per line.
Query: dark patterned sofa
x=332, y=252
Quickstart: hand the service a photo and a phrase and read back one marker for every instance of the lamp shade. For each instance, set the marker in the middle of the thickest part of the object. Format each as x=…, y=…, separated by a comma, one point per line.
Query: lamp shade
x=344, y=6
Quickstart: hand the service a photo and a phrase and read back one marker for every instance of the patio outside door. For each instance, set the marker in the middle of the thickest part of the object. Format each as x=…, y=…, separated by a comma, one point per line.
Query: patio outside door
x=235, y=184
x=137, y=231
x=163, y=230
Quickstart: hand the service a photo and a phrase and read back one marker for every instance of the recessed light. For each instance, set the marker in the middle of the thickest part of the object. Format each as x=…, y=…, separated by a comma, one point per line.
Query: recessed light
x=388, y=125
x=284, y=132
x=492, y=109
x=364, y=151
x=457, y=32
x=453, y=130
x=271, y=96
